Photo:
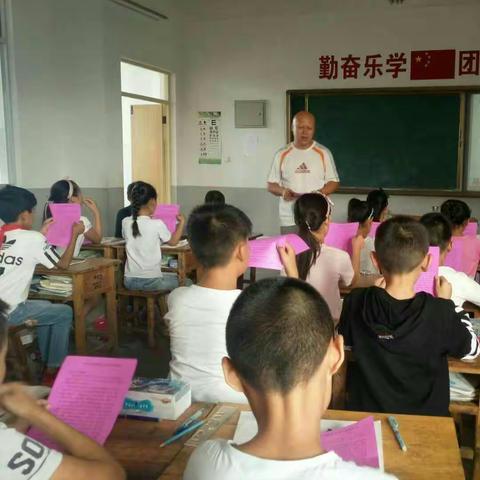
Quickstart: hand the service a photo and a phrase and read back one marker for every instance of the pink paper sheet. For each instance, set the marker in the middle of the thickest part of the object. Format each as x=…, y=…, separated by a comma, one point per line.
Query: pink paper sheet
x=465, y=254
x=168, y=213
x=64, y=216
x=264, y=253
x=355, y=442
x=88, y=394
x=340, y=235
x=373, y=230
x=471, y=229
x=426, y=281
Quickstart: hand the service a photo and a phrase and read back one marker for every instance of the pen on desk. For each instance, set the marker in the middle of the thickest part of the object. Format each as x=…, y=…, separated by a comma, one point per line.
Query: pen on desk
x=189, y=421
x=189, y=429
x=394, y=424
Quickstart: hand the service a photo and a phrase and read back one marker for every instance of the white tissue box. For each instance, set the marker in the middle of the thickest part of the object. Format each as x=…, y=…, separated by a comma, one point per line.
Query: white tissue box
x=159, y=398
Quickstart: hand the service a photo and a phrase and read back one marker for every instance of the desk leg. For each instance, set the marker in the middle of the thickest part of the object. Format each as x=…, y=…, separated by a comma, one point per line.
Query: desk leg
x=111, y=301
x=79, y=314
x=476, y=451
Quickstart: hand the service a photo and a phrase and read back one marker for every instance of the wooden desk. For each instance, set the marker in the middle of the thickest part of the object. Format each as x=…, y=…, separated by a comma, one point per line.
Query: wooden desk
x=186, y=260
x=433, y=451
x=107, y=250
x=136, y=444
x=92, y=277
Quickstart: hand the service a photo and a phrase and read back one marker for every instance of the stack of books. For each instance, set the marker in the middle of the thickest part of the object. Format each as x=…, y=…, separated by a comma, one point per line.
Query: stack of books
x=57, y=285
x=463, y=388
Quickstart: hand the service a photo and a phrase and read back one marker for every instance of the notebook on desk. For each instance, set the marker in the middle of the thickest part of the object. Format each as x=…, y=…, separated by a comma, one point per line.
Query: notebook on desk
x=354, y=441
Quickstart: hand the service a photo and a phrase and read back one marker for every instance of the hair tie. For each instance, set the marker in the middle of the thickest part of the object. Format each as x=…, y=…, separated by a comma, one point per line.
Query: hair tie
x=308, y=226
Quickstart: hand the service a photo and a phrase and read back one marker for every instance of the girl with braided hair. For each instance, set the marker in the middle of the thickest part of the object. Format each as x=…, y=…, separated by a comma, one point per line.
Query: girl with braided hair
x=144, y=236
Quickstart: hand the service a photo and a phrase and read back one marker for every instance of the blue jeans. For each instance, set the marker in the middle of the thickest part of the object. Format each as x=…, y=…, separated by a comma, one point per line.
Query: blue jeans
x=165, y=282
x=54, y=322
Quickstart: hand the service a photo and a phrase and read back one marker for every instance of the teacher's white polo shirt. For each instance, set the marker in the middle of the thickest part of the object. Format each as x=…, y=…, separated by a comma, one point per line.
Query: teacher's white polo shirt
x=302, y=171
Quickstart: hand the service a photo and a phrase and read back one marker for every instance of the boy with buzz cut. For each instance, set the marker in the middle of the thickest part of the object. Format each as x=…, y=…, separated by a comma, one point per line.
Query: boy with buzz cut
x=282, y=353
x=464, y=288
x=197, y=315
x=21, y=249
x=23, y=458
x=401, y=340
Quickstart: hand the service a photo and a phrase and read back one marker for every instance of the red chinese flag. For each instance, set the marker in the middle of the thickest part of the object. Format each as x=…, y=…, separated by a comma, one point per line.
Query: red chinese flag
x=432, y=64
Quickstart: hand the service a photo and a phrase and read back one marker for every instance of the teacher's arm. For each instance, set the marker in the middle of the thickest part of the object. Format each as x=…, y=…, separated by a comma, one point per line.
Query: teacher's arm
x=329, y=187
x=279, y=191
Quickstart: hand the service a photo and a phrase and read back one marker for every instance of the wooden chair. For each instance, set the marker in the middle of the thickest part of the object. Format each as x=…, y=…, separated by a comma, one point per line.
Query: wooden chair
x=20, y=344
x=149, y=299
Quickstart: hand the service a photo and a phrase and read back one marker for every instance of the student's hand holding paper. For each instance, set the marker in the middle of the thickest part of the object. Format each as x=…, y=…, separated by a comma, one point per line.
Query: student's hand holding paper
x=443, y=288
x=46, y=225
x=77, y=229
x=15, y=398
x=289, y=260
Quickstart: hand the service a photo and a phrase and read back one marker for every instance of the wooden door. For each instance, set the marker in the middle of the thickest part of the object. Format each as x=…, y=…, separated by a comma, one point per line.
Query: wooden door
x=150, y=148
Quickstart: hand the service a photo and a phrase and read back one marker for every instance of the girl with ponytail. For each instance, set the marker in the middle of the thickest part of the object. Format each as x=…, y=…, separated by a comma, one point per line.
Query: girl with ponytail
x=67, y=191
x=322, y=266
x=144, y=236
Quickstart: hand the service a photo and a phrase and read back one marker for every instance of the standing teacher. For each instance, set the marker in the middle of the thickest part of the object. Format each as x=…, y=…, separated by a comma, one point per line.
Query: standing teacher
x=302, y=166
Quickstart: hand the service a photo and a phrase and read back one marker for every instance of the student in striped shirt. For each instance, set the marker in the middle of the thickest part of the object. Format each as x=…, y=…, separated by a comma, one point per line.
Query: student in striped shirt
x=21, y=249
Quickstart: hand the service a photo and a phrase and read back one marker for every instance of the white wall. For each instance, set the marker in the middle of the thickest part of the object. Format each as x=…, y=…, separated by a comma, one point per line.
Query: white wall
x=260, y=57
x=66, y=66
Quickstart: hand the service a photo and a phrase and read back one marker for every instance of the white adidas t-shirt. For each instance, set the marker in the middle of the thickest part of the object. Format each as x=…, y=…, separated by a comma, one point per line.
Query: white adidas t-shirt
x=22, y=458
x=197, y=317
x=332, y=266
x=220, y=460
x=144, y=254
x=20, y=252
x=302, y=171
x=464, y=288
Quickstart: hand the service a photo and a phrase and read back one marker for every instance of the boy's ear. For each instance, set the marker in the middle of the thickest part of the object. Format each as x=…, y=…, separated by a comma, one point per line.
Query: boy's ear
x=426, y=262
x=373, y=256
x=231, y=375
x=337, y=352
x=450, y=246
x=242, y=252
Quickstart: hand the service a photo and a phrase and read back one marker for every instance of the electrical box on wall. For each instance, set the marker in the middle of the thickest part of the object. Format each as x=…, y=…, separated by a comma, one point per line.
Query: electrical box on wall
x=250, y=113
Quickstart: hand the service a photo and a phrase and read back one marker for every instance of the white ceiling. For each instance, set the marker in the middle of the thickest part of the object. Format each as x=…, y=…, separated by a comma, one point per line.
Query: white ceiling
x=222, y=9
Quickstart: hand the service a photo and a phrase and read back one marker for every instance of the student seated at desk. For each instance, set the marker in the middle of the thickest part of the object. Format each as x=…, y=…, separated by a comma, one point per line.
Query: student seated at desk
x=323, y=266
x=400, y=339
x=459, y=213
x=378, y=200
x=67, y=191
x=282, y=353
x=23, y=458
x=464, y=288
x=124, y=212
x=361, y=212
x=144, y=236
x=21, y=249
x=215, y=196
x=197, y=315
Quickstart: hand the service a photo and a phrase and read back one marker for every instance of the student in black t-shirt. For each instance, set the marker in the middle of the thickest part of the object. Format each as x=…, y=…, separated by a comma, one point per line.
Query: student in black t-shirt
x=124, y=212
x=400, y=339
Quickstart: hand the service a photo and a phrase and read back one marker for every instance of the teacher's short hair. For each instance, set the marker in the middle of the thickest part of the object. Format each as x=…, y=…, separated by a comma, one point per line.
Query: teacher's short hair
x=214, y=230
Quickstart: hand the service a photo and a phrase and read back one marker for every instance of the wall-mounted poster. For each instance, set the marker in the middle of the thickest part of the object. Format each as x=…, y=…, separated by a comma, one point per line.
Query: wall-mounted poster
x=209, y=124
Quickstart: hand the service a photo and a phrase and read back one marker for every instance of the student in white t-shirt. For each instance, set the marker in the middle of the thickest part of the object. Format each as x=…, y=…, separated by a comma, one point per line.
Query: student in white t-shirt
x=359, y=211
x=21, y=249
x=302, y=166
x=197, y=315
x=22, y=458
x=67, y=191
x=323, y=266
x=144, y=237
x=282, y=354
x=464, y=288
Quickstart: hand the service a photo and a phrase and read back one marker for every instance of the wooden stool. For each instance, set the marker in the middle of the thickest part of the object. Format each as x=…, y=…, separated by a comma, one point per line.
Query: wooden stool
x=149, y=298
x=18, y=366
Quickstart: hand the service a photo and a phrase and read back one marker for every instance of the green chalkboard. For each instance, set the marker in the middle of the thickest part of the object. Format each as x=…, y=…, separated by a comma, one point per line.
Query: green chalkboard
x=397, y=141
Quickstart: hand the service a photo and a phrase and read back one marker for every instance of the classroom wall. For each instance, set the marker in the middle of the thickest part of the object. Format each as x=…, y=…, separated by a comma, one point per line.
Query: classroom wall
x=258, y=56
x=65, y=65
